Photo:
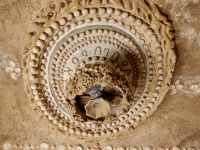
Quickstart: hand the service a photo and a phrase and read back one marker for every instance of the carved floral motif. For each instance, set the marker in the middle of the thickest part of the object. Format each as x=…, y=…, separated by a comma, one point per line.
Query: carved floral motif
x=13, y=70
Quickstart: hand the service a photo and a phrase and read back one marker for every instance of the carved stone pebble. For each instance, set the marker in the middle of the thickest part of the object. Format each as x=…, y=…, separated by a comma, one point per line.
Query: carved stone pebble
x=14, y=76
x=108, y=147
x=62, y=147
x=82, y=48
x=79, y=148
x=44, y=146
x=6, y=146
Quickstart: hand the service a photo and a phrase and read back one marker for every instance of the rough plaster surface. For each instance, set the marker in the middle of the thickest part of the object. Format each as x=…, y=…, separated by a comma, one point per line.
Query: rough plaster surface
x=176, y=121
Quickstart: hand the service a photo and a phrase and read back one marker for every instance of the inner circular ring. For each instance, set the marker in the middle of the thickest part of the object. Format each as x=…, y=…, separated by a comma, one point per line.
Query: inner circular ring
x=74, y=32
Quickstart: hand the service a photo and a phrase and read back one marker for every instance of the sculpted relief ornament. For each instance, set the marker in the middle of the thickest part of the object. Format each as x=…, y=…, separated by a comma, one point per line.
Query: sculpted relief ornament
x=98, y=67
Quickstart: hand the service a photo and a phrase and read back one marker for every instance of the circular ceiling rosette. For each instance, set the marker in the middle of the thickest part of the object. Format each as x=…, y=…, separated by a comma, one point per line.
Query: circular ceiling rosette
x=96, y=68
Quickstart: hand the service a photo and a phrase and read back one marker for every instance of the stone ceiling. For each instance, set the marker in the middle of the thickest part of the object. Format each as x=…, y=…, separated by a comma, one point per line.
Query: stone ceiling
x=175, y=123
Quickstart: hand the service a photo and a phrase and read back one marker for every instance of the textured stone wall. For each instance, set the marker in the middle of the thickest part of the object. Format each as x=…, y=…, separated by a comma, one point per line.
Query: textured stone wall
x=175, y=124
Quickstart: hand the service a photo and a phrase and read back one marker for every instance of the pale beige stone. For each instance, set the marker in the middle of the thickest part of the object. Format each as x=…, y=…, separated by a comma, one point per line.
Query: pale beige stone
x=18, y=19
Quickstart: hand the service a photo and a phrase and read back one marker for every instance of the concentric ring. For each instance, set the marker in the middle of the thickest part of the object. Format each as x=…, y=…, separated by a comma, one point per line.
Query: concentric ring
x=108, y=32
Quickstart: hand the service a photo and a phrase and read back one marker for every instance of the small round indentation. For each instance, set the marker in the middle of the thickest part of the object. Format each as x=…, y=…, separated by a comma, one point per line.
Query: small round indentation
x=96, y=105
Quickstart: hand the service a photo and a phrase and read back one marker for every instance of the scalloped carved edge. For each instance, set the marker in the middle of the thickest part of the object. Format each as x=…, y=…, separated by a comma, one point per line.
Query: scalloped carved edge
x=146, y=11
x=46, y=146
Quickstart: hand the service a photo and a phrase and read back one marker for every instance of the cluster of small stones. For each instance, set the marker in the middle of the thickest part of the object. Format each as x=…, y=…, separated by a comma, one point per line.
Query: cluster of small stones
x=150, y=53
x=186, y=87
x=45, y=146
x=13, y=70
x=82, y=39
x=97, y=73
x=102, y=71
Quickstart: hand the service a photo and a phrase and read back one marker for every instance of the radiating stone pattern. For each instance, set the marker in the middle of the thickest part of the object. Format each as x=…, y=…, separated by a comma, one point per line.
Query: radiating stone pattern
x=142, y=37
